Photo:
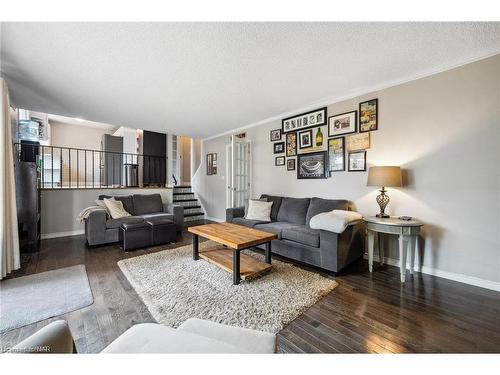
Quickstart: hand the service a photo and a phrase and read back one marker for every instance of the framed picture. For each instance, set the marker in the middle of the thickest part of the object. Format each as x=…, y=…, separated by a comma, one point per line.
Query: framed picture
x=336, y=154
x=279, y=147
x=290, y=165
x=357, y=161
x=211, y=164
x=305, y=139
x=357, y=142
x=368, y=115
x=304, y=120
x=343, y=123
x=311, y=165
x=291, y=144
x=279, y=161
x=275, y=135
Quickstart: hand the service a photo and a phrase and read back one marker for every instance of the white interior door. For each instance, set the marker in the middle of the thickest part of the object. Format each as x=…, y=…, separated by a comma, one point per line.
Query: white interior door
x=239, y=172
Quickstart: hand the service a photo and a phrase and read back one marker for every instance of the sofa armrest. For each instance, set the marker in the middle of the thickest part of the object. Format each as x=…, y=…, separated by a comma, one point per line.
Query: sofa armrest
x=338, y=250
x=53, y=338
x=232, y=213
x=95, y=227
x=178, y=212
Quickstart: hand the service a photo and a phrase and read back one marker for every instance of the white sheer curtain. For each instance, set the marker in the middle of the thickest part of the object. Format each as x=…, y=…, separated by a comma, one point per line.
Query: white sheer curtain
x=9, y=243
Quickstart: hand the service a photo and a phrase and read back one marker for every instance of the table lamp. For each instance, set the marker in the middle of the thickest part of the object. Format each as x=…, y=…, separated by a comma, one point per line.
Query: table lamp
x=387, y=176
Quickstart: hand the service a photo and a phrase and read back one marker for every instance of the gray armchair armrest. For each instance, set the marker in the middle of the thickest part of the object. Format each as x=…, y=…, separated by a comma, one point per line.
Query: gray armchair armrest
x=178, y=212
x=53, y=338
x=95, y=227
x=232, y=213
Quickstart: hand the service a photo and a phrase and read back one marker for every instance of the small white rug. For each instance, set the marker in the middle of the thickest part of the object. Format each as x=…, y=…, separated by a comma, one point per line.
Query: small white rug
x=29, y=299
x=175, y=288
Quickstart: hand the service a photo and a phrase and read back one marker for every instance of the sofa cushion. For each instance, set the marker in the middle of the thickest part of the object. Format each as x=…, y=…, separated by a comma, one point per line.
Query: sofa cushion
x=128, y=203
x=320, y=205
x=276, y=205
x=275, y=227
x=302, y=234
x=247, y=222
x=116, y=223
x=147, y=203
x=157, y=216
x=294, y=210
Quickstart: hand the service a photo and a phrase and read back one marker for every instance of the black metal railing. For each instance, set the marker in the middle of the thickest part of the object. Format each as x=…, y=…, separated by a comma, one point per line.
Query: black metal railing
x=75, y=168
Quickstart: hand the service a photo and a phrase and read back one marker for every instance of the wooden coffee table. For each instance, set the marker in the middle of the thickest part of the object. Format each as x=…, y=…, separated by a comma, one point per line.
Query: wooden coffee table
x=236, y=238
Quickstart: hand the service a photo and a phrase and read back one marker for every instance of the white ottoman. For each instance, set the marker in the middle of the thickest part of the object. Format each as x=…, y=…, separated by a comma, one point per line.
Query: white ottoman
x=193, y=336
x=249, y=340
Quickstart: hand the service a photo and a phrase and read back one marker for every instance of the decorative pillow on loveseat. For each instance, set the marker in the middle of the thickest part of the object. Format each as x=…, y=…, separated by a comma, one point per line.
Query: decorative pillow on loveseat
x=115, y=208
x=259, y=210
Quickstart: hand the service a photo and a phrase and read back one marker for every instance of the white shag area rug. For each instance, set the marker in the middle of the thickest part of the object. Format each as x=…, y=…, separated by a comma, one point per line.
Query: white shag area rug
x=175, y=288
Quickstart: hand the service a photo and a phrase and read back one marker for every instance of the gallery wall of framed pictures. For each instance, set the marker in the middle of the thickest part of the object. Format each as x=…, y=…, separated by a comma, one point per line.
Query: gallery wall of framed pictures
x=316, y=145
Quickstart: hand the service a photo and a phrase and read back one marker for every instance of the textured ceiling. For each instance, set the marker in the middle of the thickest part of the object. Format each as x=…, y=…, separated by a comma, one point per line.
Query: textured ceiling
x=201, y=79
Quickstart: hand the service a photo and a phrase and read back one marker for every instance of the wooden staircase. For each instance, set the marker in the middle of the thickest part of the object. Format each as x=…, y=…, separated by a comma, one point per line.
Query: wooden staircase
x=192, y=207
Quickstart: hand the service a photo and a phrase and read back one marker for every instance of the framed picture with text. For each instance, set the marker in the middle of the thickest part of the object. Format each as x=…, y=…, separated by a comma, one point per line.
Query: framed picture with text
x=304, y=120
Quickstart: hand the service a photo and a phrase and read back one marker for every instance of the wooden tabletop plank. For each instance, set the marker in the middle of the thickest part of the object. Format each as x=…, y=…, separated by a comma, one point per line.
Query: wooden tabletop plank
x=232, y=235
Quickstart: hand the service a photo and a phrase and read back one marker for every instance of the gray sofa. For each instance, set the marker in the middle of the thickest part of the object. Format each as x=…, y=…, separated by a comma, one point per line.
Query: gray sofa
x=100, y=229
x=297, y=241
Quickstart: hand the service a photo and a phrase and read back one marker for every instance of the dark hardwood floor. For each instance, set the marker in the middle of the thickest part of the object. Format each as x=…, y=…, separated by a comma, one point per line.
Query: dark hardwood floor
x=366, y=313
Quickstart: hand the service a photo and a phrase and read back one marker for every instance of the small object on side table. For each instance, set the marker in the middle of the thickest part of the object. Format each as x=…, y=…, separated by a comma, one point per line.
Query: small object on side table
x=408, y=232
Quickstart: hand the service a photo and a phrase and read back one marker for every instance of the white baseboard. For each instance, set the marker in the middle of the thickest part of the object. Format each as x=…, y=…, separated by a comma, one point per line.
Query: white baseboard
x=471, y=280
x=216, y=219
x=62, y=234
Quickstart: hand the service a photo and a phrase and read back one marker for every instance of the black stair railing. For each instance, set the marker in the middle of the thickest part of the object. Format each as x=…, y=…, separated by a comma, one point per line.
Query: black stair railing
x=76, y=168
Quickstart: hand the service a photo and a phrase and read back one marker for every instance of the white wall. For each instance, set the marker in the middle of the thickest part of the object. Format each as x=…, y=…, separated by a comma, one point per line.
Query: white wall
x=444, y=131
x=68, y=135
x=60, y=208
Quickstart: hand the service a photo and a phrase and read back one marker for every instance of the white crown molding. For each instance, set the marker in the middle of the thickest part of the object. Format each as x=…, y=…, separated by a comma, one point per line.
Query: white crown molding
x=360, y=92
x=62, y=234
x=471, y=280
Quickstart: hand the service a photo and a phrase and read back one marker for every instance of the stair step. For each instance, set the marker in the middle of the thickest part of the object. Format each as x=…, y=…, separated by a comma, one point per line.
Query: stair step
x=191, y=207
x=183, y=193
x=182, y=186
x=194, y=214
x=185, y=200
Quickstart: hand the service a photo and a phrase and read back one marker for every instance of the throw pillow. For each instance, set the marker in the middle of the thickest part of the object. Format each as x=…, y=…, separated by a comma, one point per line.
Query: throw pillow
x=115, y=208
x=101, y=204
x=259, y=210
x=248, y=200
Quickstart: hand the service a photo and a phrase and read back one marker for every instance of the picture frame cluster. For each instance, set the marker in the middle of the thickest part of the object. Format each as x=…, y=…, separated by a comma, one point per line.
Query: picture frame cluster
x=348, y=137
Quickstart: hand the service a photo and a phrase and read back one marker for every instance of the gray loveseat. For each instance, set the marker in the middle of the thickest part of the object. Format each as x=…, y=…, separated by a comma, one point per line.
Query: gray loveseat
x=100, y=229
x=296, y=240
